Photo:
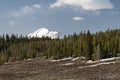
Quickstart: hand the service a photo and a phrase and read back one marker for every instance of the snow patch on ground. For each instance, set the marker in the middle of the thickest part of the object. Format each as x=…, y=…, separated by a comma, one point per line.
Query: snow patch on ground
x=94, y=65
x=64, y=59
x=90, y=61
x=74, y=59
x=67, y=64
x=103, y=60
x=109, y=59
x=29, y=59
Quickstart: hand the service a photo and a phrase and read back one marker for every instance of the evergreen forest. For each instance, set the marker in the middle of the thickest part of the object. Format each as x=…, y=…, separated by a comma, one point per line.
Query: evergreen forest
x=92, y=46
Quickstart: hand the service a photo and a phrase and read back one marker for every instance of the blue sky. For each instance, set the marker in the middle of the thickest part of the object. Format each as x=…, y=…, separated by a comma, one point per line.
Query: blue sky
x=64, y=16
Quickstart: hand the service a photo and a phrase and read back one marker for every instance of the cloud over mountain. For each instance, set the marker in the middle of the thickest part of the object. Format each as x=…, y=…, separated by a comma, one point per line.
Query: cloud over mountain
x=85, y=4
x=26, y=10
x=77, y=18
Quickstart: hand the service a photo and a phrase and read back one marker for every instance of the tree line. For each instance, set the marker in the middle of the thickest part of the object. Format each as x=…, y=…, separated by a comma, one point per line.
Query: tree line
x=92, y=46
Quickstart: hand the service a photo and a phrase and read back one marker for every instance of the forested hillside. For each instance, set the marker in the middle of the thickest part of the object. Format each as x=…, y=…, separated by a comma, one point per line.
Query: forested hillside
x=91, y=46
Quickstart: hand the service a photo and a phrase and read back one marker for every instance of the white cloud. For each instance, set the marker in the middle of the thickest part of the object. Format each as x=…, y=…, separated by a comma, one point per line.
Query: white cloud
x=36, y=6
x=34, y=18
x=114, y=12
x=77, y=18
x=97, y=13
x=11, y=23
x=26, y=10
x=85, y=4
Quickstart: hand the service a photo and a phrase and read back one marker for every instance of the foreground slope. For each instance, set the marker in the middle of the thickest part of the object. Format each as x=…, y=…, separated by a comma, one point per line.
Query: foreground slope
x=67, y=69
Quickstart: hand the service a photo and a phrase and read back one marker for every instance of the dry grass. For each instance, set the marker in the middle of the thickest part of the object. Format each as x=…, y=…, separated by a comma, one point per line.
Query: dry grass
x=41, y=69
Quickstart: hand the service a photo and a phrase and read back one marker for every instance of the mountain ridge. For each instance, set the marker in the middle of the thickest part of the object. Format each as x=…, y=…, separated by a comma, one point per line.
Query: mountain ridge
x=44, y=32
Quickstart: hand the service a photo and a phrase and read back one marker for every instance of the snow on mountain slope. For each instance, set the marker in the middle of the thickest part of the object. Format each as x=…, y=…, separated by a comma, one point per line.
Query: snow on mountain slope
x=44, y=32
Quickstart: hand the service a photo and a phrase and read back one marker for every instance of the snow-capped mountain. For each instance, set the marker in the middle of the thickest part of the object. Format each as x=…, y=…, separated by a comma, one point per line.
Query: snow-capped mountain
x=44, y=32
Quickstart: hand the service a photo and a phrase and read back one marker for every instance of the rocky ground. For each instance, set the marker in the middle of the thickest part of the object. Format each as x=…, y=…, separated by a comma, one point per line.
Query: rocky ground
x=68, y=69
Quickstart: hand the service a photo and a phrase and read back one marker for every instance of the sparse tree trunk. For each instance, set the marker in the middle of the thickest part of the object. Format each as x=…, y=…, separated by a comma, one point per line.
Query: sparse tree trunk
x=98, y=52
